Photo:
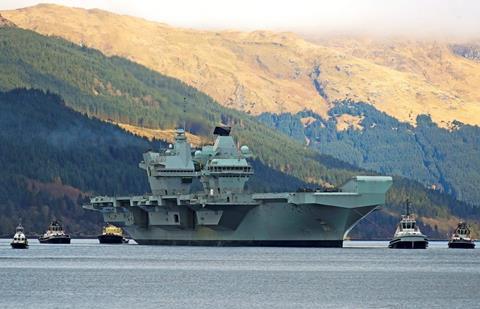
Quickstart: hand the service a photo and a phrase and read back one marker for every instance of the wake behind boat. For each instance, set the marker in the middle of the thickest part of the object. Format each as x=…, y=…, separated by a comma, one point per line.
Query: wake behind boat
x=19, y=241
x=461, y=238
x=408, y=234
x=54, y=235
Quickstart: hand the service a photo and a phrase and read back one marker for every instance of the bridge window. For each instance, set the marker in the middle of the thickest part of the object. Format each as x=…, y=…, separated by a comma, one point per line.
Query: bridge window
x=176, y=218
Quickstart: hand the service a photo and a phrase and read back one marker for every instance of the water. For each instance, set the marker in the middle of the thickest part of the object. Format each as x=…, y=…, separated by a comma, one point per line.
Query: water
x=86, y=274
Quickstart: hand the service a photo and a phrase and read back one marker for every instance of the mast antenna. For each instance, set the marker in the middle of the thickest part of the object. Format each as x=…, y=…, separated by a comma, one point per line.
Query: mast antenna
x=184, y=113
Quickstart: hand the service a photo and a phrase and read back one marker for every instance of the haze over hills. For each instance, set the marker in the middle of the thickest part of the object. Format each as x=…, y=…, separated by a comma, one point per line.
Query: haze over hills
x=281, y=72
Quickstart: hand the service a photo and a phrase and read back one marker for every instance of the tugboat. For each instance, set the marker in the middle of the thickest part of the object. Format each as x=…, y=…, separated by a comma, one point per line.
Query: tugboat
x=112, y=235
x=19, y=241
x=461, y=237
x=54, y=235
x=408, y=235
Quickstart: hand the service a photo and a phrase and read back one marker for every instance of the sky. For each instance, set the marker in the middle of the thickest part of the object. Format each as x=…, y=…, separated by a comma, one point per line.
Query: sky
x=459, y=18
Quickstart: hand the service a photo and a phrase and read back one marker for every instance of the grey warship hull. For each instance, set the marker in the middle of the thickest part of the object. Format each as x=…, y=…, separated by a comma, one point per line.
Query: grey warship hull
x=300, y=219
x=223, y=214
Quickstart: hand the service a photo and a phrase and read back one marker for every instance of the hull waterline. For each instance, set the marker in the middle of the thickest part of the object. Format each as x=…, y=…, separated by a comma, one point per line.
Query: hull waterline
x=110, y=239
x=461, y=245
x=285, y=220
x=19, y=246
x=408, y=244
x=54, y=240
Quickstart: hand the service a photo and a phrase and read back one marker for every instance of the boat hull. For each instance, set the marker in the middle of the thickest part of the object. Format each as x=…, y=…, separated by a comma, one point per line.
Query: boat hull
x=296, y=219
x=408, y=243
x=16, y=245
x=279, y=225
x=245, y=243
x=110, y=239
x=461, y=244
x=54, y=240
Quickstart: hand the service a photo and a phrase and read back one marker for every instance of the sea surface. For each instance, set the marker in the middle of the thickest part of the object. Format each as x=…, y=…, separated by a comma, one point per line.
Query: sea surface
x=86, y=274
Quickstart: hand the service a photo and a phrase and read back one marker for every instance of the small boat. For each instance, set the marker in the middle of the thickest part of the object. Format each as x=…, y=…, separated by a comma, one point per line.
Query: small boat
x=19, y=241
x=461, y=237
x=112, y=234
x=408, y=235
x=54, y=235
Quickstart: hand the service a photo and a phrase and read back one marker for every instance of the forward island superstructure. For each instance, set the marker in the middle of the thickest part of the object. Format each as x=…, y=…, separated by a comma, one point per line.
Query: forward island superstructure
x=223, y=213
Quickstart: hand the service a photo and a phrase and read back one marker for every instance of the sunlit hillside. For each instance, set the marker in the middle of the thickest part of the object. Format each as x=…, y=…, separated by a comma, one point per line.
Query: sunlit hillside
x=164, y=135
x=280, y=72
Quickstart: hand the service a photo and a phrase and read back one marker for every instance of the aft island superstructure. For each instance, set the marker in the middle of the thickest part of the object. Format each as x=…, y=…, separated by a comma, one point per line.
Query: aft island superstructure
x=223, y=213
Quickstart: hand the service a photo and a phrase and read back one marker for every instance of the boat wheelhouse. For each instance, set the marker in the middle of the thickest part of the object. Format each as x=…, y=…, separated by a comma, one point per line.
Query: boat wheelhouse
x=19, y=241
x=112, y=234
x=408, y=234
x=54, y=234
x=461, y=239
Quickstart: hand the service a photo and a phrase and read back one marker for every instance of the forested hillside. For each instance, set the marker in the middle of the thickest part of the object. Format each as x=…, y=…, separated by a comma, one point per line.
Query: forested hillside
x=441, y=159
x=53, y=158
x=119, y=90
x=113, y=88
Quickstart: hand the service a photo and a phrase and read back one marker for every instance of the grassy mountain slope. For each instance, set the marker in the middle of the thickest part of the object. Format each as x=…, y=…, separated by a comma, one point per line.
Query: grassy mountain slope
x=118, y=90
x=164, y=135
x=281, y=72
x=440, y=73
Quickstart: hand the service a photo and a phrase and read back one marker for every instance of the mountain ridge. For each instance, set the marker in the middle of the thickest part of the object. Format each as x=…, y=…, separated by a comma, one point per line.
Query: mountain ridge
x=264, y=71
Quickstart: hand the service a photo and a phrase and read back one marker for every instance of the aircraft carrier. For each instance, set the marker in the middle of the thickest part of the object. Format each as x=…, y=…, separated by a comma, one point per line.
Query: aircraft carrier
x=223, y=213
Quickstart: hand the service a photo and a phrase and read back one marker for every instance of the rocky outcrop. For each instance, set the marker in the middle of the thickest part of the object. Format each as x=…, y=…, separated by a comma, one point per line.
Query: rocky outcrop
x=471, y=51
x=5, y=22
